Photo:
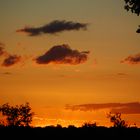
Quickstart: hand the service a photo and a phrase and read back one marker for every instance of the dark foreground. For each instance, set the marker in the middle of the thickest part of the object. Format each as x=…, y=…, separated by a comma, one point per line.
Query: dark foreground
x=70, y=133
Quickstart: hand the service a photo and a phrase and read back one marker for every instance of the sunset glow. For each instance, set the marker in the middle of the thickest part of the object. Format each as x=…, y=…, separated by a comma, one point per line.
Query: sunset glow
x=74, y=61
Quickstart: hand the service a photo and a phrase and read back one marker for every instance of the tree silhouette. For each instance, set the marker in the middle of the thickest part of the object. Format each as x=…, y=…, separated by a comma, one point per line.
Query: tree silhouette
x=89, y=125
x=17, y=115
x=58, y=126
x=117, y=120
x=71, y=126
x=134, y=7
x=2, y=124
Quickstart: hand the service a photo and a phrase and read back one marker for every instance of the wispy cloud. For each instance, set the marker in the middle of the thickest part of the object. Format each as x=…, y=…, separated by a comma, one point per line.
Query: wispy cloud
x=125, y=108
x=11, y=60
x=132, y=59
x=62, y=54
x=53, y=27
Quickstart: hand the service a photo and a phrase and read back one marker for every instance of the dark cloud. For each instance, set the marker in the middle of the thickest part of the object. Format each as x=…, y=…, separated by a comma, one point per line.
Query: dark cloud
x=138, y=30
x=11, y=60
x=62, y=54
x=129, y=108
x=54, y=27
x=125, y=108
x=92, y=107
x=132, y=59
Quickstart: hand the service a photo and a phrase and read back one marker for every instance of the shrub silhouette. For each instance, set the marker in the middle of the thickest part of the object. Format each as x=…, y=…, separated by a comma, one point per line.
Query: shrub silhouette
x=89, y=125
x=17, y=115
x=117, y=120
x=2, y=124
x=58, y=126
x=71, y=126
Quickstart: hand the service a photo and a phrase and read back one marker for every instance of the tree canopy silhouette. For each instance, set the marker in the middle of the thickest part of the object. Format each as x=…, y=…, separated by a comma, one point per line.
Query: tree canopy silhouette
x=117, y=120
x=134, y=7
x=17, y=115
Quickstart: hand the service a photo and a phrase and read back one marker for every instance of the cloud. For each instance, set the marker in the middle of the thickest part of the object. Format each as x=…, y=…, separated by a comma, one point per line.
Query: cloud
x=53, y=27
x=129, y=108
x=11, y=60
x=62, y=54
x=132, y=59
x=138, y=30
x=125, y=108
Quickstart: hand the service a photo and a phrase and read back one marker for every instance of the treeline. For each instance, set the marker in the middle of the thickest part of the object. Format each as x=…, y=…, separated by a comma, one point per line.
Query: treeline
x=17, y=125
x=22, y=116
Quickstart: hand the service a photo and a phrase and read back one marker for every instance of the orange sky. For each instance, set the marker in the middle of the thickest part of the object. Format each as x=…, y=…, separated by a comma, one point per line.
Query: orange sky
x=90, y=61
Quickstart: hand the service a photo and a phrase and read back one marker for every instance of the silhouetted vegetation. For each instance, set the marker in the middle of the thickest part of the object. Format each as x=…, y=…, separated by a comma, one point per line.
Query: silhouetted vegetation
x=55, y=132
x=71, y=126
x=134, y=7
x=17, y=115
x=21, y=116
x=117, y=120
x=89, y=125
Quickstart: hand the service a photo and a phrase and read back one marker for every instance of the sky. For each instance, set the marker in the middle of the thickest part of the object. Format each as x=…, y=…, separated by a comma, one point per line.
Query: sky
x=72, y=60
